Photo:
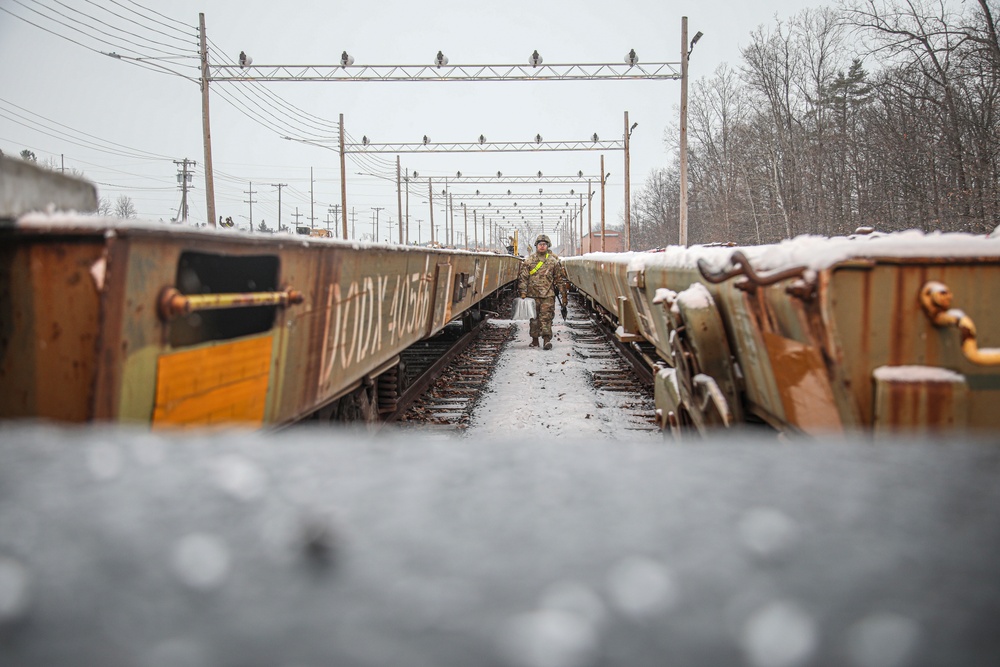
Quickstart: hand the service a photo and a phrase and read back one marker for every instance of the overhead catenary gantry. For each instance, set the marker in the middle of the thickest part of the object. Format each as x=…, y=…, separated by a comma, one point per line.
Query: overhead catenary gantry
x=573, y=198
x=481, y=147
x=535, y=213
x=441, y=70
x=562, y=72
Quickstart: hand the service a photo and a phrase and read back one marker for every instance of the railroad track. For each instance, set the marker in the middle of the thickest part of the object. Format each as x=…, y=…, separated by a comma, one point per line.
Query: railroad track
x=448, y=402
x=448, y=397
x=613, y=367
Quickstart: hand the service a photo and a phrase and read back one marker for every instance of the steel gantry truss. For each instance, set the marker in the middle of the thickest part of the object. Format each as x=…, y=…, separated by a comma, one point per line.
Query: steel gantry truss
x=482, y=147
x=562, y=72
x=441, y=70
x=540, y=178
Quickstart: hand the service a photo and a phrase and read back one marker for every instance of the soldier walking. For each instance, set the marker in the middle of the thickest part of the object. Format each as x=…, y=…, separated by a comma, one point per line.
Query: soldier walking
x=541, y=275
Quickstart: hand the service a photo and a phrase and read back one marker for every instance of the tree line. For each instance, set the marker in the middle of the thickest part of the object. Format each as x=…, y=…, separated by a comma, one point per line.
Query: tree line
x=879, y=113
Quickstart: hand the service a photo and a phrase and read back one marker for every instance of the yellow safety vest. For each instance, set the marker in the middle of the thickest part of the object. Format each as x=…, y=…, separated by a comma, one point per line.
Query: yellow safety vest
x=539, y=265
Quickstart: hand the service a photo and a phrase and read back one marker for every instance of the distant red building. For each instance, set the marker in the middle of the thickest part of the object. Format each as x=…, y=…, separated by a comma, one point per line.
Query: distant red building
x=613, y=242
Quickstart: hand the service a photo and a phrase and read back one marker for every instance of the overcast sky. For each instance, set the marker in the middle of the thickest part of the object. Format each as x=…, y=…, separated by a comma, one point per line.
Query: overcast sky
x=63, y=100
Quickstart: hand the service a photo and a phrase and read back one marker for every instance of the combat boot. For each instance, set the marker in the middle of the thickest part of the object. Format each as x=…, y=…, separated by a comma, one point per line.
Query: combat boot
x=548, y=344
x=534, y=342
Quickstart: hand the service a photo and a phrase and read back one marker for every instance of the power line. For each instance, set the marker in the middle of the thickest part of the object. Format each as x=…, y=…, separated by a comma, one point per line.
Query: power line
x=137, y=151
x=159, y=69
x=323, y=124
x=170, y=18
x=332, y=125
x=192, y=36
x=79, y=30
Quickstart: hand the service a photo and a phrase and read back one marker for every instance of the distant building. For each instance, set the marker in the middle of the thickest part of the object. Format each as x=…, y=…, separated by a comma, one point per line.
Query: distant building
x=613, y=242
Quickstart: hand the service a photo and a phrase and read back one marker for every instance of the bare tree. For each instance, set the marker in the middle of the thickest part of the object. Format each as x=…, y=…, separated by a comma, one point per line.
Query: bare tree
x=924, y=38
x=104, y=207
x=885, y=114
x=655, y=210
x=124, y=208
x=719, y=109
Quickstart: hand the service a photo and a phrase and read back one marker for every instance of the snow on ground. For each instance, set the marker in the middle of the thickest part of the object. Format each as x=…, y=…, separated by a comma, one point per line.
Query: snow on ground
x=547, y=393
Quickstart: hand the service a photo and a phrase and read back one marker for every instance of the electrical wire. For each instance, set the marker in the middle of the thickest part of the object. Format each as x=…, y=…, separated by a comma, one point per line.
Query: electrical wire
x=280, y=105
x=79, y=30
x=159, y=69
x=333, y=126
x=148, y=9
x=133, y=152
x=189, y=38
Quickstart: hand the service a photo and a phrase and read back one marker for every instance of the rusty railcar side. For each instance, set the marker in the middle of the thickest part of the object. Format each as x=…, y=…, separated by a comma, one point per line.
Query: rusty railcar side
x=156, y=324
x=815, y=335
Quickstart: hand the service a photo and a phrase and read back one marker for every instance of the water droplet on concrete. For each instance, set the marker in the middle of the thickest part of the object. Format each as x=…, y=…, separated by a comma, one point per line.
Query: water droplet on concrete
x=15, y=587
x=239, y=477
x=104, y=461
x=201, y=561
x=640, y=586
x=882, y=640
x=767, y=531
x=780, y=634
x=548, y=638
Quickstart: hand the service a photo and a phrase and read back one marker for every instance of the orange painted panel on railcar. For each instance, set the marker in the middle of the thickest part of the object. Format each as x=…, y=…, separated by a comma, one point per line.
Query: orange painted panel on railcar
x=220, y=384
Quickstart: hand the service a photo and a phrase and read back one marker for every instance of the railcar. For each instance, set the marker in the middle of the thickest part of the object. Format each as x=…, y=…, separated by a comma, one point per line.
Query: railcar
x=164, y=325
x=876, y=333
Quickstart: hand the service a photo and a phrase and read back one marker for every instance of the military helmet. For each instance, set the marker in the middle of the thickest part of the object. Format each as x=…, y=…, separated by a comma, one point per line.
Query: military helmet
x=541, y=238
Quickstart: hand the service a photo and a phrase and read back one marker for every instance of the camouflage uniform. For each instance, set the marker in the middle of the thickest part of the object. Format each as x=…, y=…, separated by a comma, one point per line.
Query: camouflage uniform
x=541, y=286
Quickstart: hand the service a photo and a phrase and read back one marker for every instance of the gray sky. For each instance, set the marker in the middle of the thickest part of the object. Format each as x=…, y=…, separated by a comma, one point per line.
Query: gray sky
x=60, y=98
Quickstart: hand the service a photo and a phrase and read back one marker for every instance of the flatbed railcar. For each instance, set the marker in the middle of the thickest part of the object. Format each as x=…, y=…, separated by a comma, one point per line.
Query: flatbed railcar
x=166, y=325
x=870, y=333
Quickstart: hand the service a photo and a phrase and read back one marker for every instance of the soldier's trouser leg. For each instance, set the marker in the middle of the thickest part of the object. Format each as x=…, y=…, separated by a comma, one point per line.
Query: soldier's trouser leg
x=534, y=327
x=542, y=324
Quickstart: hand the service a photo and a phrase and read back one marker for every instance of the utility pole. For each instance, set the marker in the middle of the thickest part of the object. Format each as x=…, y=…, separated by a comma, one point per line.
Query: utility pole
x=465, y=213
x=377, y=209
x=312, y=203
x=683, y=231
x=279, y=186
x=205, y=126
x=602, y=204
x=418, y=221
x=184, y=177
x=475, y=227
x=296, y=215
x=399, y=201
x=343, y=179
x=250, y=201
x=430, y=193
x=335, y=210
x=354, y=229
x=407, y=206
x=628, y=194
x=590, y=215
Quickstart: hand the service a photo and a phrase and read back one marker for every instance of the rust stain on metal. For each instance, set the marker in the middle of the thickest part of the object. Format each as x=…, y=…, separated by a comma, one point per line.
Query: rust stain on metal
x=803, y=384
